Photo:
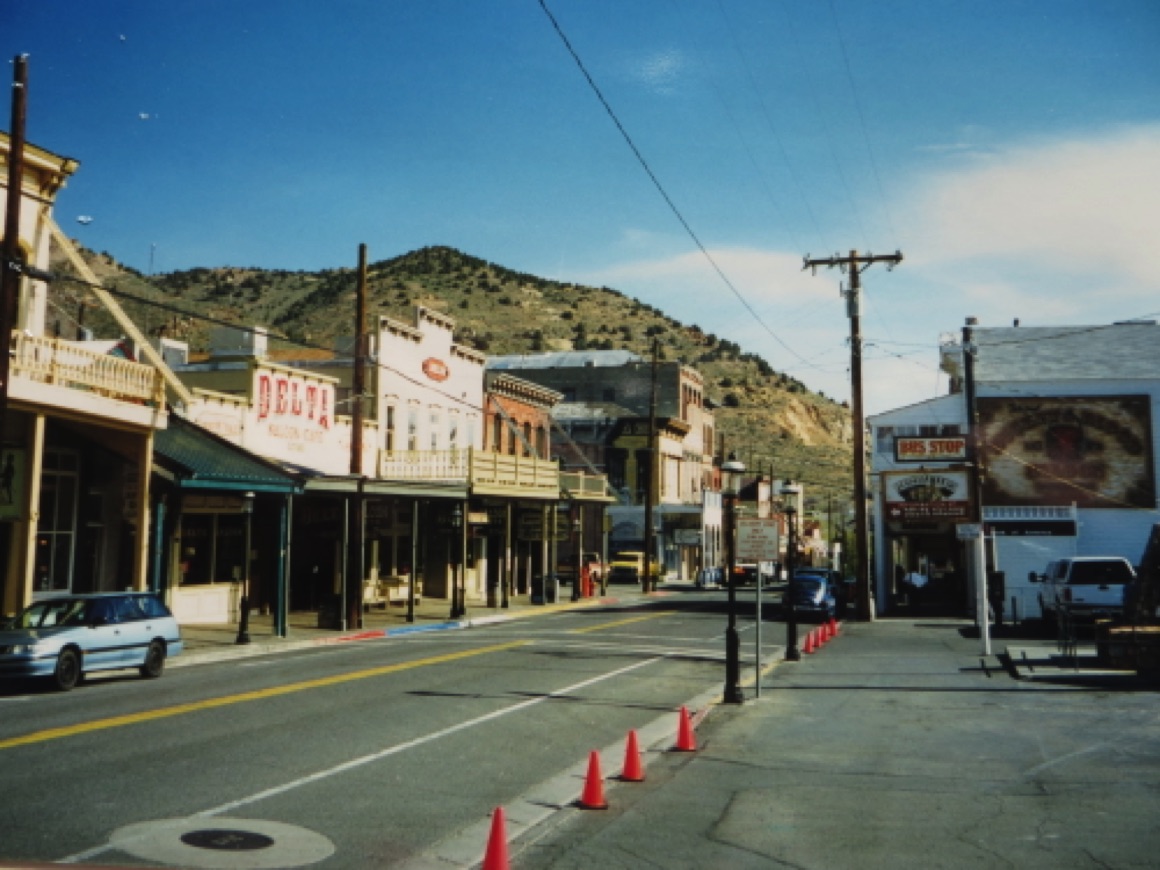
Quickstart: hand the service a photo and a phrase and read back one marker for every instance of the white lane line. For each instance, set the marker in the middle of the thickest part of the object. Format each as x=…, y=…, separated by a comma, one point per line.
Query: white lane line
x=377, y=756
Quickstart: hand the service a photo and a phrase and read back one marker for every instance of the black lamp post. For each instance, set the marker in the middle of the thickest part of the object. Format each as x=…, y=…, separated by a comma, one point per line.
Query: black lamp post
x=244, y=615
x=578, y=537
x=790, y=492
x=731, y=470
x=458, y=595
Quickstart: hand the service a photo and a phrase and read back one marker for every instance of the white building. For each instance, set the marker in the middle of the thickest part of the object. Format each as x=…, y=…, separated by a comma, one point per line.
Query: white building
x=1068, y=435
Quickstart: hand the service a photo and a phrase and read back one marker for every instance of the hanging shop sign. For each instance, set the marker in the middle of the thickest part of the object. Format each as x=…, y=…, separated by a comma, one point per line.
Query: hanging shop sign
x=1091, y=451
x=943, y=495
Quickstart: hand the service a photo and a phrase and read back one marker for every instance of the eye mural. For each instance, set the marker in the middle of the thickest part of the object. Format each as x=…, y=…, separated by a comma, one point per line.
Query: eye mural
x=1095, y=451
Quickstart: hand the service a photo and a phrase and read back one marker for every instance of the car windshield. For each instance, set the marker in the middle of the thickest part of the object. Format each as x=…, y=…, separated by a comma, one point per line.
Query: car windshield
x=53, y=613
x=809, y=584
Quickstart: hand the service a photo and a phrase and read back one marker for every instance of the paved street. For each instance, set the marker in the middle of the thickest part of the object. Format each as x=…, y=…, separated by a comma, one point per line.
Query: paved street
x=897, y=744
x=373, y=751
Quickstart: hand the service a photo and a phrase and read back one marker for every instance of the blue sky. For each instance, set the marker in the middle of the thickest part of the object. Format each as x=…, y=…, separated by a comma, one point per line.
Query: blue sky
x=1010, y=150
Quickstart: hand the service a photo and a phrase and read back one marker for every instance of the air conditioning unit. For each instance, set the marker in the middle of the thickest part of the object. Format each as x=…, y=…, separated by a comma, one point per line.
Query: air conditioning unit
x=232, y=341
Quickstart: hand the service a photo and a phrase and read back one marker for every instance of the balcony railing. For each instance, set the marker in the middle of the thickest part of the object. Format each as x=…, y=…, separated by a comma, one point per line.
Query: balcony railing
x=432, y=465
x=490, y=473
x=67, y=364
x=502, y=473
x=587, y=487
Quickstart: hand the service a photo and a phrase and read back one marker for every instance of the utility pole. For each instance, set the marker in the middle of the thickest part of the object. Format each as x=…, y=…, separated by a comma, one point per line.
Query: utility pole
x=12, y=264
x=652, y=477
x=975, y=460
x=357, y=559
x=855, y=264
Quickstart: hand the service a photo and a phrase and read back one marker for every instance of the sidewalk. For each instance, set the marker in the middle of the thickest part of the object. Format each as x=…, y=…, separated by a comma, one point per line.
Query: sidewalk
x=210, y=643
x=895, y=745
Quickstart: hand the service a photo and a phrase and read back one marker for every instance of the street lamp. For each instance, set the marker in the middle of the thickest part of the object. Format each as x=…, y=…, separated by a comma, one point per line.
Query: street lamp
x=244, y=616
x=578, y=538
x=731, y=471
x=458, y=595
x=789, y=492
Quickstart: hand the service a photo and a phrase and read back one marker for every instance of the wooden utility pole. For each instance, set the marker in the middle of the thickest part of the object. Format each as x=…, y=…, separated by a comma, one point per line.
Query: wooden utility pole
x=649, y=583
x=356, y=561
x=12, y=266
x=855, y=264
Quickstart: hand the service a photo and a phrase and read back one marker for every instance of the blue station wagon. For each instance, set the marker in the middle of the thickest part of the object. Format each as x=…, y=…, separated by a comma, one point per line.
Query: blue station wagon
x=65, y=638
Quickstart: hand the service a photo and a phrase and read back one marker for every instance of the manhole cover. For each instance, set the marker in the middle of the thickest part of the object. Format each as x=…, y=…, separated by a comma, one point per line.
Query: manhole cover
x=221, y=843
x=227, y=840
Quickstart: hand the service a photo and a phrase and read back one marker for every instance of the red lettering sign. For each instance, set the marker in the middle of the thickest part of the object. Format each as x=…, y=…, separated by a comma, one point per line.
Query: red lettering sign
x=263, y=397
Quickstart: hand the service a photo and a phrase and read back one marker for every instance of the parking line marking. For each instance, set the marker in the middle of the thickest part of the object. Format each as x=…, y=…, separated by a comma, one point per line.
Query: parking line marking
x=621, y=622
x=256, y=695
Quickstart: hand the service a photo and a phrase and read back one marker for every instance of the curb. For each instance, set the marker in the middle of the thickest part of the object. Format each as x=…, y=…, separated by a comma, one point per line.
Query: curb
x=245, y=651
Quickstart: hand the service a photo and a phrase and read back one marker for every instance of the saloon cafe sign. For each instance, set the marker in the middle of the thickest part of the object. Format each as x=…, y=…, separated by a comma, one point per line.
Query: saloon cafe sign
x=927, y=496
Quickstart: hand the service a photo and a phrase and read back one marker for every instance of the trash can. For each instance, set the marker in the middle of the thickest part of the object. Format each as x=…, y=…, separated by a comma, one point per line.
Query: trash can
x=330, y=612
x=539, y=595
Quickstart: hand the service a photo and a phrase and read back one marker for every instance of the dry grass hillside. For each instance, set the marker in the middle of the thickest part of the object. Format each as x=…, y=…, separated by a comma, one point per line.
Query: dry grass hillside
x=772, y=420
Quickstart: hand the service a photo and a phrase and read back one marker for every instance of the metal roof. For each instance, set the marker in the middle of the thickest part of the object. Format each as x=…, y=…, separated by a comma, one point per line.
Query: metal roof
x=1115, y=351
x=200, y=459
x=568, y=359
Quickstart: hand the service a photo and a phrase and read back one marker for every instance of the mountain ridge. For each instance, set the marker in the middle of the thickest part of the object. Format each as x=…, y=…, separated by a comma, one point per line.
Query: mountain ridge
x=772, y=420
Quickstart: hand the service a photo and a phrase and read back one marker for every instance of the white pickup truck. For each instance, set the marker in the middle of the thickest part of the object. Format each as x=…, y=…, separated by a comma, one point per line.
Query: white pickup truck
x=1088, y=586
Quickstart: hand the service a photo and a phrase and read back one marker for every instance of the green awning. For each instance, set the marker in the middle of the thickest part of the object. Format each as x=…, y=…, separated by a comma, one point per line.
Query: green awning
x=196, y=458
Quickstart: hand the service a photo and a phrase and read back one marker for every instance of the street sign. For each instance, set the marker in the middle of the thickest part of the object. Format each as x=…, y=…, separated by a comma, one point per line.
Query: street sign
x=969, y=531
x=757, y=540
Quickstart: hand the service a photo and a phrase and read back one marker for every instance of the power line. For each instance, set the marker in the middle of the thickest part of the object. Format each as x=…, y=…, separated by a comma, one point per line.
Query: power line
x=660, y=188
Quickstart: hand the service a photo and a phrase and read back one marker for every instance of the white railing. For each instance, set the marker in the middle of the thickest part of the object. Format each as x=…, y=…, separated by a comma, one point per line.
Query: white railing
x=64, y=363
x=424, y=465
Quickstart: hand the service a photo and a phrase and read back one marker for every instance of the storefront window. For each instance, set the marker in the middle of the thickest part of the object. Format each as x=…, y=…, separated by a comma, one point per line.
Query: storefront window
x=56, y=529
x=212, y=548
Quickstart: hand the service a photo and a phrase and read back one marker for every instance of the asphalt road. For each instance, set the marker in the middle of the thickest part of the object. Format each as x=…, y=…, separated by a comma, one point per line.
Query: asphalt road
x=355, y=755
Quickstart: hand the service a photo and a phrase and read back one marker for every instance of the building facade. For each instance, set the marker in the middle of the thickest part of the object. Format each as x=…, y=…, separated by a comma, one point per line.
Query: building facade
x=1066, y=426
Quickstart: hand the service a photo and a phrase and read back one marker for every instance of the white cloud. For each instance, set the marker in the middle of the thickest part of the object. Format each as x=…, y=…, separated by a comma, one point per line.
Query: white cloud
x=1049, y=232
x=1077, y=211
x=661, y=70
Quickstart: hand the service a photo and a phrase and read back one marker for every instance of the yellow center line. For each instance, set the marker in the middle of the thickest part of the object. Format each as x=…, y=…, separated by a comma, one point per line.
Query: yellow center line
x=256, y=695
x=621, y=622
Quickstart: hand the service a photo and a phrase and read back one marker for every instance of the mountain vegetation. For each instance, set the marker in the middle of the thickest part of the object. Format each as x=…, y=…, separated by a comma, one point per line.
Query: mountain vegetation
x=772, y=420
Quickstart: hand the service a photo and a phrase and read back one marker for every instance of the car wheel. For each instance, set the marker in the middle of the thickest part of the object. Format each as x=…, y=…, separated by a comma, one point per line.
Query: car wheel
x=154, y=661
x=68, y=670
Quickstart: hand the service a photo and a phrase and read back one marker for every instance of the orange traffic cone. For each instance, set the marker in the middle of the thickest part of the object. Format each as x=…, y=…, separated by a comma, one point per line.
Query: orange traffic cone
x=834, y=626
x=593, y=796
x=496, y=856
x=686, y=742
x=826, y=633
x=809, y=647
x=632, y=771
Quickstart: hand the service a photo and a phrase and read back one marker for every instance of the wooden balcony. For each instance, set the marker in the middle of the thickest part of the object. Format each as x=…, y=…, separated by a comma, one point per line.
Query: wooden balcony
x=488, y=473
x=424, y=465
x=582, y=486
x=519, y=476
x=67, y=375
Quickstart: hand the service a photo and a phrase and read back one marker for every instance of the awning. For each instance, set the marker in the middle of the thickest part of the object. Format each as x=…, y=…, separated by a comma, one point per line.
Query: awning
x=195, y=458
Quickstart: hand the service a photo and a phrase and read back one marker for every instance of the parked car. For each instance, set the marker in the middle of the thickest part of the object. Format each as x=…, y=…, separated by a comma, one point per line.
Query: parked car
x=627, y=566
x=709, y=578
x=65, y=638
x=1088, y=586
x=812, y=595
x=842, y=588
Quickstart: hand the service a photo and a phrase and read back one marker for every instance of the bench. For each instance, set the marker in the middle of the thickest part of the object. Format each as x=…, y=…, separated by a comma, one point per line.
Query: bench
x=390, y=590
